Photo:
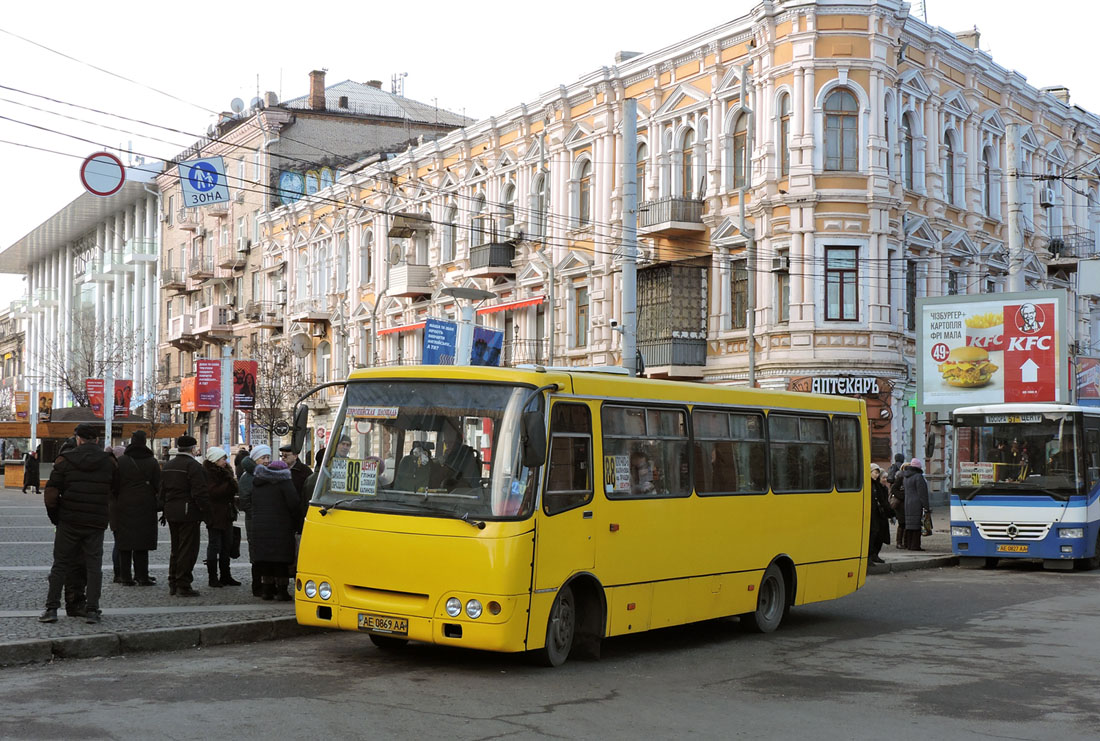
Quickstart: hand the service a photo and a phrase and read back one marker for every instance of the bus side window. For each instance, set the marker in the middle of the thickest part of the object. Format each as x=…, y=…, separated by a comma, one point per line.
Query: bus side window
x=1092, y=456
x=569, y=468
x=847, y=454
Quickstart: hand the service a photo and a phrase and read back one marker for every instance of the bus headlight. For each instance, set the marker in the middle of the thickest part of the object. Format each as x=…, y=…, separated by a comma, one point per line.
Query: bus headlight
x=473, y=609
x=1071, y=532
x=325, y=590
x=311, y=589
x=454, y=607
x=961, y=531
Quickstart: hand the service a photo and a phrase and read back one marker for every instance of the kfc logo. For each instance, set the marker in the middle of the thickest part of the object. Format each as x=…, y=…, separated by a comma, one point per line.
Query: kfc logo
x=1030, y=319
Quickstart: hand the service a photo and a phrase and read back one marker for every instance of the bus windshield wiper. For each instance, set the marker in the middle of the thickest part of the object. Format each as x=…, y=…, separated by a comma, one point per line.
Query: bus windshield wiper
x=334, y=505
x=419, y=508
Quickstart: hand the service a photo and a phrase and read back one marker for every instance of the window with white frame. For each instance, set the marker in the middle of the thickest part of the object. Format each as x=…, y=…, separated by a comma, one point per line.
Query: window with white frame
x=542, y=202
x=324, y=362
x=783, y=296
x=740, y=151
x=320, y=267
x=687, y=164
x=580, y=316
x=908, y=163
x=301, y=288
x=739, y=294
x=987, y=181
x=366, y=256
x=841, y=131
x=952, y=282
x=480, y=222
x=584, y=194
x=643, y=155
x=841, y=283
x=447, y=234
x=507, y=208
x=342, y=263
x=784, y=135
x=949, y=167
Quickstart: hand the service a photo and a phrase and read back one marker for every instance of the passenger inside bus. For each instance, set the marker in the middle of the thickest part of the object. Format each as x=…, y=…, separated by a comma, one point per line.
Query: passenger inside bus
x=461, y=465
x=415, y=468
x=642, y=474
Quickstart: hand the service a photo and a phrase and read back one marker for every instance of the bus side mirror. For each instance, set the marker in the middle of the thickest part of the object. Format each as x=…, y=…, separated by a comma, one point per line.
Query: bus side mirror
x=301, y=419
x=534, y=439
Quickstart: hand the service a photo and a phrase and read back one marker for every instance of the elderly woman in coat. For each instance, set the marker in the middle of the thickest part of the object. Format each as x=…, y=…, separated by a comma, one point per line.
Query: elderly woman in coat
x=916, y=504
x=134, y=511
x=276, y=512
x=880, y=515
x=260, y=455
x=222, y=487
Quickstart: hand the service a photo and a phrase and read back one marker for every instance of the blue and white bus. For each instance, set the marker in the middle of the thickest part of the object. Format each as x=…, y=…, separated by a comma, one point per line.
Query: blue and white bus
x=1025, y=485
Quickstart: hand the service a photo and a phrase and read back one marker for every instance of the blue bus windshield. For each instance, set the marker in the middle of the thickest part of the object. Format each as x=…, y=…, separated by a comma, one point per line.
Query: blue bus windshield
x=1020, y=453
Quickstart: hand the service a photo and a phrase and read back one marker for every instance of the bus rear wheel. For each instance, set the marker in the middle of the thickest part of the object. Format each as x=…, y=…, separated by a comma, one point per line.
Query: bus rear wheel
x=771, y=603
x=388, y=643
x=561, y=629
x=1093, y=562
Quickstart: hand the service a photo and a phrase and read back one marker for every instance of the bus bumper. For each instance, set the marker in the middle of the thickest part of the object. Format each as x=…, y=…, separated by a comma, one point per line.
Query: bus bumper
x=1052, y=547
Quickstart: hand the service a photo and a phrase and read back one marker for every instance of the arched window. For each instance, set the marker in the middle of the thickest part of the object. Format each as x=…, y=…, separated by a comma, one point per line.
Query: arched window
x=447, y=235
x=643, y=155
x=584, y=195
x=366, y=256
x=542, y=201
x=421, y=240
x=507, y=207
x=479, y=225
x=320, y=271
x=784, y=135
x=949, y=167
x=687, y=164
x=907, y=151
x=740, y=151
x=987, y=181
x=301, y=288
x=841, y=131
x=324, y=362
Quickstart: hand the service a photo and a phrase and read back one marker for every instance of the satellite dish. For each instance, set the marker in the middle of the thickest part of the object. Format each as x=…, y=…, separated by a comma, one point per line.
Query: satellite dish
x=395, y=255
x=236, y=105
x=301, y=345
x=255, y=103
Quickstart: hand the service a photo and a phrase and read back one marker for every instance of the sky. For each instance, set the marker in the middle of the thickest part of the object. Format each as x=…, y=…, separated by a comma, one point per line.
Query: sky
x=478, y=58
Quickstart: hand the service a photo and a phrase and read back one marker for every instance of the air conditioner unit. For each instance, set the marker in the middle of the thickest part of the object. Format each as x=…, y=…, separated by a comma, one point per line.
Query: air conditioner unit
x=166, y=217
x=230, y=299
x=244, y=245
x=240, y=196
x=1047, y=198
x=781, y=264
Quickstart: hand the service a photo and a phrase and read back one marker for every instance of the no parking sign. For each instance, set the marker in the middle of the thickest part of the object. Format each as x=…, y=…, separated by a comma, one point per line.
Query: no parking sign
x=203, y=182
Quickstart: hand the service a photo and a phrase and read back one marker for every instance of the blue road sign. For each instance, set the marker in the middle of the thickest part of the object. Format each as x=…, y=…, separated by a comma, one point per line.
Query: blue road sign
x=203, y=182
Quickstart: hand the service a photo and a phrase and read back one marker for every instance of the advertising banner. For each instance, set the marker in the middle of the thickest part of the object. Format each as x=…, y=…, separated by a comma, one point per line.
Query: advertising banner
x=187, y=394
x=991, y=349
x=124, y=394
x=45, y=406
x=244, y=384
x=488, y=344
x=1088, y=381
x=440, y=338
x=208, y=384
x=93, y=387
x=22, y=405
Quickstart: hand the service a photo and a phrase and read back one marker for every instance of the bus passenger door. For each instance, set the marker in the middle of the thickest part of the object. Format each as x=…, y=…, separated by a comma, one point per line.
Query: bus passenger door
x=564, y=542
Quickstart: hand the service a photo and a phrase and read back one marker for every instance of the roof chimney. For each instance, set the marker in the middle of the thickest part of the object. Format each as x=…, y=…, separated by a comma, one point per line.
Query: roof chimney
x=317, y=90
x=374, y=83
x=1060, y=92
x=270, y=99
x=969, y=38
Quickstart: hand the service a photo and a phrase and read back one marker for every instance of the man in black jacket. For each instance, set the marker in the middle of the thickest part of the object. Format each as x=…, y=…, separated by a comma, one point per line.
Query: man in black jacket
x=299, y=471
x=186, y=506
x=77, y=500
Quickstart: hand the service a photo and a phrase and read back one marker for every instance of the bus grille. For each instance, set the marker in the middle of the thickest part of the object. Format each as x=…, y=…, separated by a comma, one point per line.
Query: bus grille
x=1013, y=530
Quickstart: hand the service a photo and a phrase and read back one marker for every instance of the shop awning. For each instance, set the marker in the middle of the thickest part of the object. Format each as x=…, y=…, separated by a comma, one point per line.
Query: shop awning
x=403, y=328
x=512, y=305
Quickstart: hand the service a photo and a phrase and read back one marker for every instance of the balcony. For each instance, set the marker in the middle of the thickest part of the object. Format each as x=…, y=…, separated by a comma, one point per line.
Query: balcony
x=407, y=279
x=1066, y=250
x=672, y=310
x=171, y=279
x=308, y=310
x=492, y=259
x=19, y=309
x=214, y=322
x=670, y=217
x=230, y=258
x=264, y=314
x=201, y=268
x=139, y=251
x=218, y=209
x=674, y=351
x=44, y=298
x=181, y=332
x=525, y=352
x=188, y=219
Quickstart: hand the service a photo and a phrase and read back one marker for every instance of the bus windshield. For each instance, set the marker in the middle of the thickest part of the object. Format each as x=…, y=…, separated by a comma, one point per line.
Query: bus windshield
x=1016, y=453
x=430, y=448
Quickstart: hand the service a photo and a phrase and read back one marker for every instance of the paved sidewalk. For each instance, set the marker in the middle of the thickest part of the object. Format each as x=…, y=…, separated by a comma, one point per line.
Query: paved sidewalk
x=936, y=554
x=134, y=618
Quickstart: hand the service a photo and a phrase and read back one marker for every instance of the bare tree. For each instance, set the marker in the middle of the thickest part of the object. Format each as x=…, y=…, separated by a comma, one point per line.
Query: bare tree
x=86, y=351
x=280, y=380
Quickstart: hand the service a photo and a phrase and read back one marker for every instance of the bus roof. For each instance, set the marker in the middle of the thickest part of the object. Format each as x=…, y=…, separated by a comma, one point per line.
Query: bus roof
x=598, y=384
x=1024, y=409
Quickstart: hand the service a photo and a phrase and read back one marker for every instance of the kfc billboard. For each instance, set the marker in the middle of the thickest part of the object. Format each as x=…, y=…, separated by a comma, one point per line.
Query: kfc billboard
x=991, y=349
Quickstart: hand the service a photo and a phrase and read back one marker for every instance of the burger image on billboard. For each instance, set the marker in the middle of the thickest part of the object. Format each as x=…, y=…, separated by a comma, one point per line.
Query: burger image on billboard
x=967, y=367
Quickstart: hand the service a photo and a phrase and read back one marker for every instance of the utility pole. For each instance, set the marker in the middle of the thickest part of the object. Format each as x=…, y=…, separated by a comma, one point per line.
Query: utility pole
x=1015, y=228
x=630, y=236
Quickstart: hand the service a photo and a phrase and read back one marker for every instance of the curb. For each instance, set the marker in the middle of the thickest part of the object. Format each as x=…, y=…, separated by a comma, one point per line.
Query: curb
x=934, y=562
x=155, y=639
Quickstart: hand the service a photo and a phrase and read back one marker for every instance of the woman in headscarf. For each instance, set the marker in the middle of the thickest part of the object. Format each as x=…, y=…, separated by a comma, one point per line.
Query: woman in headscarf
x=260, y=456
x=134, y=511
x=880, y=515
x=276, y=511
x=221, y=485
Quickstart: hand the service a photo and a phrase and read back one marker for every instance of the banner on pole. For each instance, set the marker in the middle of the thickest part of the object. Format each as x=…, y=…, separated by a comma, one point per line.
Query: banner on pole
x=488, y=344
x=22, y=404
x=124, y=392
x=93, y=387
x=244, y=384
x=45, y=406
x=208, y=384
x=187, y=394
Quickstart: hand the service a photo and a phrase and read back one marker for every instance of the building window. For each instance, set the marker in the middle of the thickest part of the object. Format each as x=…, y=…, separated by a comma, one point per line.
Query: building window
x=538, y=220
x=990, y=285
x=584, y=195
x=952, y=282
x=740, y=151
x=907, y=151
x=687, y=164
x=949, y=168
x=987, y=182
x=508, y=208
x=739, y=295
x=447, y=235
x=783, y=294
x=785, y=135
x=643, y=155
x=841, y=131
x=366, y=256
x=171, y=207
x=841, y=271
x=580, y=317
x=480, y=226
x=911, y=295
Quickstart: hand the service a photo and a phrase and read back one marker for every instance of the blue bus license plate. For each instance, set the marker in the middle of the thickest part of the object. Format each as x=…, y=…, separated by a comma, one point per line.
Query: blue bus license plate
x=383, y=624
x=1003, y=548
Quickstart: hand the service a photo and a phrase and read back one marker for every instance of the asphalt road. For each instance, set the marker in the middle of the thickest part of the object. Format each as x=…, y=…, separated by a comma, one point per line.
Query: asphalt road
x=939, y=654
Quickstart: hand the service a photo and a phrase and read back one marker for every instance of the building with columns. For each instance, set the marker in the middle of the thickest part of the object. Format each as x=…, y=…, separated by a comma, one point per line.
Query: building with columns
x=816, y=165
x=92, y=294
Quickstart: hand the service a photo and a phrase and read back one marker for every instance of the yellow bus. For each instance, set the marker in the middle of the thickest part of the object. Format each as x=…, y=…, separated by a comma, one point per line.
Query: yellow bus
x=543, y=510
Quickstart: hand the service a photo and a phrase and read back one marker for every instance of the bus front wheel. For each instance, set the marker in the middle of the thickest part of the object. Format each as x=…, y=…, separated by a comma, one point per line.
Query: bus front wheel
x=771, y=603
x=561, y=629
x=1093, y=562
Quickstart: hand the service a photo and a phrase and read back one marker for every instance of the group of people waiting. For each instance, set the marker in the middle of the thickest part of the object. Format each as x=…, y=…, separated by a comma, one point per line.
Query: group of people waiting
x=898, y=494
x=126, y=489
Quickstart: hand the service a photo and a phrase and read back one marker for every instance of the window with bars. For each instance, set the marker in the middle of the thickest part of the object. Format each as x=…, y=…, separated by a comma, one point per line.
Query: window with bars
x=841, y=276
